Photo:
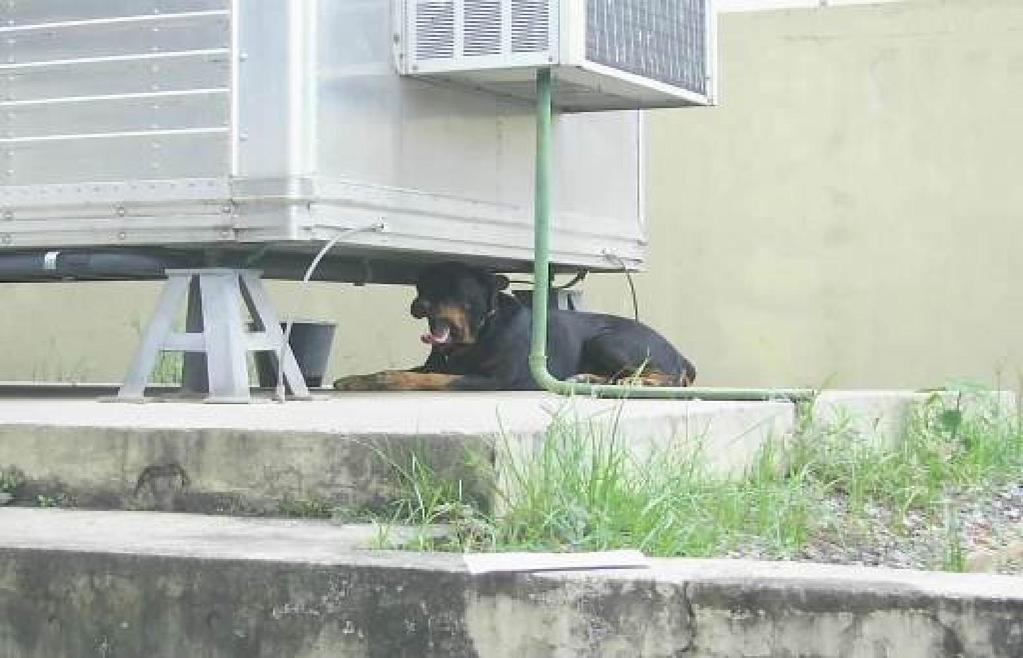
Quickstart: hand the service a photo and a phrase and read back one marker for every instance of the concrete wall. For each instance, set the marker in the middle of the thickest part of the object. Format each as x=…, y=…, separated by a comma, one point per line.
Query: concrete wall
x=852, y=213
x=849, y=215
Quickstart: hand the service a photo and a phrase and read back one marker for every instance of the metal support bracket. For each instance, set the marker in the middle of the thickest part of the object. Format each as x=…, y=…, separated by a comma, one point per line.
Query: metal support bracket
x=222, y=340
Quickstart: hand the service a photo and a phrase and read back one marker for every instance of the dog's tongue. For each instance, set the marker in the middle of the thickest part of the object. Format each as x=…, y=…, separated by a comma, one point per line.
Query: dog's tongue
x=437, y=336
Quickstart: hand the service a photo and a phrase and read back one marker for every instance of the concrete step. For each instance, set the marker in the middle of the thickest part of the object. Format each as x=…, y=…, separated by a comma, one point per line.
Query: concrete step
x=334, y=451
x=80, y=583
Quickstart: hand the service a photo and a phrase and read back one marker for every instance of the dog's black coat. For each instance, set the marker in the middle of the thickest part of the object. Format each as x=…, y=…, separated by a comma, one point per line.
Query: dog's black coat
x=578, y=343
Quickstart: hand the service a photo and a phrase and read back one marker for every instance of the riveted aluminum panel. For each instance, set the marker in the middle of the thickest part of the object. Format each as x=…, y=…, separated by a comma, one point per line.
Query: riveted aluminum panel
x=159, y=72
x=34, y=12
x=112, y=91
x=35, y=45
x=93, y=115
x=115, y=157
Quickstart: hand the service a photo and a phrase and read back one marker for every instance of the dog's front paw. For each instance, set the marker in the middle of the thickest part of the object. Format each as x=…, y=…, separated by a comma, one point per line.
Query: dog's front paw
x=350, y=383
x=378, y=381
x=359, y=382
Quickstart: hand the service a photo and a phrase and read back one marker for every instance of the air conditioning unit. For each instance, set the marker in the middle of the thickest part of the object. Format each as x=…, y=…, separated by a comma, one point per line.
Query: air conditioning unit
x=604, y=54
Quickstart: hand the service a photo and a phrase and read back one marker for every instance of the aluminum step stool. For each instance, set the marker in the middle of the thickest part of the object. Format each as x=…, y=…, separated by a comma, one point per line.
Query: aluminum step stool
x=224, y=340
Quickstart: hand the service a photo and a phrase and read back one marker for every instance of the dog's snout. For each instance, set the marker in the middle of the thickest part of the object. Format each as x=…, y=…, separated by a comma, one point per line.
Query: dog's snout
x=420, y=308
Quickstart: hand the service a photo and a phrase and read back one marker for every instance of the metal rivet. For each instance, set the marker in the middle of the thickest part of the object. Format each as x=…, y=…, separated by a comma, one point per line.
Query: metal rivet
x=122, y=235
x=227, y=208
x=121, y=212
x=242, y=57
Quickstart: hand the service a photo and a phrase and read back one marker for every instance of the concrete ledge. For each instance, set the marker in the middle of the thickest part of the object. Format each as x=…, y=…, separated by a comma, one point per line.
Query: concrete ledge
x=883, y=416
x=248, y=459
x=78, y=583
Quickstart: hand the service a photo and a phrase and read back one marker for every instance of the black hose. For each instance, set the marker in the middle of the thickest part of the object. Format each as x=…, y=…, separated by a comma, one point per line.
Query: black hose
x=59, y=265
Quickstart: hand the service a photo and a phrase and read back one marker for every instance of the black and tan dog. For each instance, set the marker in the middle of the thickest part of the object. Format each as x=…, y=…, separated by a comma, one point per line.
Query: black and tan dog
x=480, y=338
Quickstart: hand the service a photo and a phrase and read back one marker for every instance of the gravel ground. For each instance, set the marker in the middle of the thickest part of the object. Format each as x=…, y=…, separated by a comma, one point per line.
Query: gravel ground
x=989, y=527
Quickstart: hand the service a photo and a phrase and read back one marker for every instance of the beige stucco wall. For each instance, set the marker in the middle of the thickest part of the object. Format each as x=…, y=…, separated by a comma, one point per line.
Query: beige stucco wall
x=849, y=215
x=852, y=213
x=88, y=331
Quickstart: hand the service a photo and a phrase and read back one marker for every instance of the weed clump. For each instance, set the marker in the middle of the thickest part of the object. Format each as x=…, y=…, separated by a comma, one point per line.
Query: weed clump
x=586, y=487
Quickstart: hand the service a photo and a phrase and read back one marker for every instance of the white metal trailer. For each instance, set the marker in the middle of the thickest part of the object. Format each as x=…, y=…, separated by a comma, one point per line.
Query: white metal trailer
x=219, y=127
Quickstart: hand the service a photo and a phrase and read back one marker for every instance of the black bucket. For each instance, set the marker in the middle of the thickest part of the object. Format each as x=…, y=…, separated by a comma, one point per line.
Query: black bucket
x=310, y=342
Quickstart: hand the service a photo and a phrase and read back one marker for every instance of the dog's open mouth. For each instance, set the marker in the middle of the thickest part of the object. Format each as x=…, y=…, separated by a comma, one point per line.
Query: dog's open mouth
x=438, y=335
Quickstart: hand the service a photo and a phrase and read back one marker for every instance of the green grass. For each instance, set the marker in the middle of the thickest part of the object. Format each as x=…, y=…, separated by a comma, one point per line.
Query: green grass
x=584, y=488
x=11, y=479
x=944, y=449
x=167, y=369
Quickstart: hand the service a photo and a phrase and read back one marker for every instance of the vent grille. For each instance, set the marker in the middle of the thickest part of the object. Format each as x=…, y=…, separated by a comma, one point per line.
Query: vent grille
x=604, y=54
x=664, y=40
x=435, y=29
x=530, y=26
x=482, y=21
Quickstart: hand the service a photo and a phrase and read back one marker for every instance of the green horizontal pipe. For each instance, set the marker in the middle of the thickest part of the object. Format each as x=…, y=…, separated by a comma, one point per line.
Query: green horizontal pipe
x=541, y=285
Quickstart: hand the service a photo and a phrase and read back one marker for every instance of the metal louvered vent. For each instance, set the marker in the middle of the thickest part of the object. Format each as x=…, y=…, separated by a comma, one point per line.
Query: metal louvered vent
x=664, y=40
x=482, y=20
x=435, y=29
x=530, y=25
x=603, y=54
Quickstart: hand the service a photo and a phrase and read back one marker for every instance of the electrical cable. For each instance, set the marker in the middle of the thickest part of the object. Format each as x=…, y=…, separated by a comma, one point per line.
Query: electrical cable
x=611, y=256
x=279, y=391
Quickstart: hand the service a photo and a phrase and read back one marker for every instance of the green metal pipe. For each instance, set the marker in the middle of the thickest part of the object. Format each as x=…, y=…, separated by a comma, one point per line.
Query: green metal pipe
x=541, y=288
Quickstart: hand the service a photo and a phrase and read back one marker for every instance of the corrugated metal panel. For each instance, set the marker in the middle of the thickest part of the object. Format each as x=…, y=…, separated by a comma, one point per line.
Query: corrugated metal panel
x=664, y=40
x=97, y=90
